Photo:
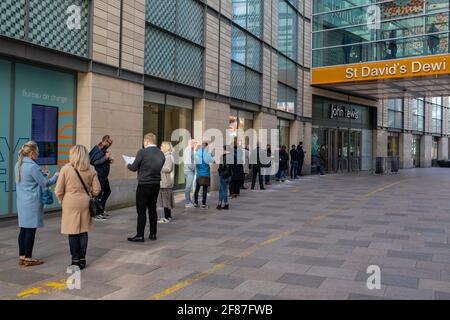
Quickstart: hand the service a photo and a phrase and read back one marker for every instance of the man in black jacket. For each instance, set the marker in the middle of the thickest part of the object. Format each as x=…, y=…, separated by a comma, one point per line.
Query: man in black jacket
x=256, y=162
x=148, y=164
x=101, y=159
x=294, y=162
x=301, y=158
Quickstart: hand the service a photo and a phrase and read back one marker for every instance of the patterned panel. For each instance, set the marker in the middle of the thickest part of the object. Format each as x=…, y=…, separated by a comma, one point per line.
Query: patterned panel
x=253, y=53
x=162, y=13
x=190, y=20
x=12, y=17
x=238, y=81
x=182, y=17
x=159, y=54
x=189, y=66
x=49, y=27
x=253, y=86
x=254, y=19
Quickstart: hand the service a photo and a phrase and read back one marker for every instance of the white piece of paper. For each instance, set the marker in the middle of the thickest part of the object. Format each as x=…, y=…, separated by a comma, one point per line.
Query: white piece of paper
x=128, y=160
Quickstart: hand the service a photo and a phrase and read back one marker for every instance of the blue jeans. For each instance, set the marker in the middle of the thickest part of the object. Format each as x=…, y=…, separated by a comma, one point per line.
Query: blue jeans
x=223, y=190
x=189, y=181
x=281, y=174
x=197, y=190
x=294, y=169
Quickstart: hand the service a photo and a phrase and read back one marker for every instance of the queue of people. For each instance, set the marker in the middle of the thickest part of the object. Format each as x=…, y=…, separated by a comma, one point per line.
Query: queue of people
x=84, y=181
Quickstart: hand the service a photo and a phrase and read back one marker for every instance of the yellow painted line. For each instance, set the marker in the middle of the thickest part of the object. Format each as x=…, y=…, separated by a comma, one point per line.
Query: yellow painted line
x=46, y=288
x=252, y=249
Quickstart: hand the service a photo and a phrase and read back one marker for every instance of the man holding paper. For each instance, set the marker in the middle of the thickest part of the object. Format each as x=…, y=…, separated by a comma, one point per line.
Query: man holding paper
x=148, y=164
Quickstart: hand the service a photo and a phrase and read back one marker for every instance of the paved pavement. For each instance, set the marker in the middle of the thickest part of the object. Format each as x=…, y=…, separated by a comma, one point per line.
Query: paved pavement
x=306, y=239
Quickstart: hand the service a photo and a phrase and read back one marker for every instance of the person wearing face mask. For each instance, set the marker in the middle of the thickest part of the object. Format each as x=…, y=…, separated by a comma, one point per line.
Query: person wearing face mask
x=101, y=159
x=30, y=180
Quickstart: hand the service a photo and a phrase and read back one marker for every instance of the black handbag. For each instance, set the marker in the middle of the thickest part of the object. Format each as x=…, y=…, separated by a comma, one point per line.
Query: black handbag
x=95, y=207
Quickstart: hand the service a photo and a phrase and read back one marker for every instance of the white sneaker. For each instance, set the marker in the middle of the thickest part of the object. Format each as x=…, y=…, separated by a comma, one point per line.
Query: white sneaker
x=189, y=205
x=163, y=220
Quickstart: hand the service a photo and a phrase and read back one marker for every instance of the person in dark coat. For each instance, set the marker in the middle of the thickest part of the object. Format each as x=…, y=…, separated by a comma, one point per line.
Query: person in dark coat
x=101, y=159
x=238, y=176
x=268, y=166
x=294, y=162
x=283, y=164
x=301, y=158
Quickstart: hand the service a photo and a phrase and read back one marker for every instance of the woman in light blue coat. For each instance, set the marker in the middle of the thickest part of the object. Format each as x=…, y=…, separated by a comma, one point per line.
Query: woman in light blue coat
x=29, y=183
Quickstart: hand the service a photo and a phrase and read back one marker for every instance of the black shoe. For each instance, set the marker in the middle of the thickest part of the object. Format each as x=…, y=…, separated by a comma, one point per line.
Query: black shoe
x=136, y=239
x=75, y=264
x=219, y=207
x=226, y=207
x=244, y=188
x=152, y=237
x=82, y=264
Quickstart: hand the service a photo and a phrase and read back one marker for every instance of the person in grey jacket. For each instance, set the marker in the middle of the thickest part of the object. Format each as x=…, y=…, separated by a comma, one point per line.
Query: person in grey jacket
x=166, y=199
x=29, y=183
x=148, y=163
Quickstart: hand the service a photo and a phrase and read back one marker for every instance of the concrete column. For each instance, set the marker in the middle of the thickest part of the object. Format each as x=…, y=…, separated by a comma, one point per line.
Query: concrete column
x=406, y=161
x=443, y=148
x=268, y=122
x=381, y=141
x=296, y=132
x=426, y=151
x=107, y=105
x=210, y=115
x=307, y=133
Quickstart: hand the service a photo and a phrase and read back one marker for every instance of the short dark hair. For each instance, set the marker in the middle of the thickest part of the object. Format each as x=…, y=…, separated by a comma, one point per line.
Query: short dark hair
x=106, y=138
x=300, y=143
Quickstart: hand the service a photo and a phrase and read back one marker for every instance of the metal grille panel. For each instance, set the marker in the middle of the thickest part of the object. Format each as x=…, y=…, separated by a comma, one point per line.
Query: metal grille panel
x=12, y=16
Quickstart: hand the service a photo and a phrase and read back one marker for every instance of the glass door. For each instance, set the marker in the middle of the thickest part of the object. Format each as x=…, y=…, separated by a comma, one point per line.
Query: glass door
x=415, y=151
x=5, y=90
x=355, y=150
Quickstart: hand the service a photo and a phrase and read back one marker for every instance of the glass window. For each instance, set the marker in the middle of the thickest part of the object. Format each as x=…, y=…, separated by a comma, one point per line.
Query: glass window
x=418, y=115
x=405, y=28
x=287, y=98
x=248, y=15
x=5, y=101
x=245, y=49
x=436, y=115
x=287, y=29
x=395, y=113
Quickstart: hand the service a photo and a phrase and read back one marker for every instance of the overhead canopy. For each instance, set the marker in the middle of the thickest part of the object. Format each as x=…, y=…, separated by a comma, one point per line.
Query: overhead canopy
x=421, y=76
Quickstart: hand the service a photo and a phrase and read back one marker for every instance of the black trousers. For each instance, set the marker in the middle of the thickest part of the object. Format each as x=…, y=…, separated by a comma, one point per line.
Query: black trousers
x=146, y=198
x=106, y=191
x=300, y=167
x=78, y=245
x=257, y=172
x=26, y=242
x=167, y=213
x=235, y=186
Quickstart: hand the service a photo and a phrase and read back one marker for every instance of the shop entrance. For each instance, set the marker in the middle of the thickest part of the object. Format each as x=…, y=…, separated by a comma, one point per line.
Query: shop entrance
x=416, y=151
x=343, y=149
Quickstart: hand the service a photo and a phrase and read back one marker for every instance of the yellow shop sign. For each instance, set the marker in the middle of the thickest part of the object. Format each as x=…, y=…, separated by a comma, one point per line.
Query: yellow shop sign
x=381, y=70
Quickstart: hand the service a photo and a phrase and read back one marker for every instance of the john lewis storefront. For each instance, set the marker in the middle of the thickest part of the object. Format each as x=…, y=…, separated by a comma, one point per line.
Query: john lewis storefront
x=36, y=103
x=346, y=132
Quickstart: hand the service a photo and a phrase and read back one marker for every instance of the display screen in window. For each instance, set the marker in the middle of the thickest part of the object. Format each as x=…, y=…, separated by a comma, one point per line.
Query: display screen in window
x=44, y=130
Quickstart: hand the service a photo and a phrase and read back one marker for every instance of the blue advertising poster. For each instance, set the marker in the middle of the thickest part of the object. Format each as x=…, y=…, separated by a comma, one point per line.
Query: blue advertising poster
x=44, y=130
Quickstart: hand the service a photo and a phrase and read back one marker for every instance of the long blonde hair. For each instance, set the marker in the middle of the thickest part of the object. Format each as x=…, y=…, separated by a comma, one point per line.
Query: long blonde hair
x=166, y=147
x=79, y=158
x=27, y=150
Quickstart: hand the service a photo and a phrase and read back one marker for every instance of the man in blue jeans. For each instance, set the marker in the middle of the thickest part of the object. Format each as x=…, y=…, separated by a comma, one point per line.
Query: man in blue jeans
x=189, y=172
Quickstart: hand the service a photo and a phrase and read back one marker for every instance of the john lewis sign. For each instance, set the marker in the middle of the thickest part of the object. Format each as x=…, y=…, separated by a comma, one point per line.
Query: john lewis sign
x=337, y=111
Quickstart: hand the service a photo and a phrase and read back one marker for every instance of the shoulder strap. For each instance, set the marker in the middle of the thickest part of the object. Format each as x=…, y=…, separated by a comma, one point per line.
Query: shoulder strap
x=82, y=182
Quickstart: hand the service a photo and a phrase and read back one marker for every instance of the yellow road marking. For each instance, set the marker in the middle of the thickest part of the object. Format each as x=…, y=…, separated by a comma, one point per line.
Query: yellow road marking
x=48, y=287
x=253, y=248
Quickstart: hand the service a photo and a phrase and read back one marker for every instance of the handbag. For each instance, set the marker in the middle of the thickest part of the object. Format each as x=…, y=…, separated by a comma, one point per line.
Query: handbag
x=47, y=197
x=95, y=207
x=205, y=180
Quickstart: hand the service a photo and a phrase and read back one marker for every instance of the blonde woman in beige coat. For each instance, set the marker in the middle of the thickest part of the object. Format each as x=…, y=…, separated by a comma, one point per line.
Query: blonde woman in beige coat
x=166, y=199
x=76, y=219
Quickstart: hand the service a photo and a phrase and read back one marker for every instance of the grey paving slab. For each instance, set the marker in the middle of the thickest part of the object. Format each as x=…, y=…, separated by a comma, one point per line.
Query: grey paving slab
x=410, y=255
x=22, y=277
x=221, y=281
x=301, y=280
x=319, y=261
x=354, y=243
x=396, y=280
